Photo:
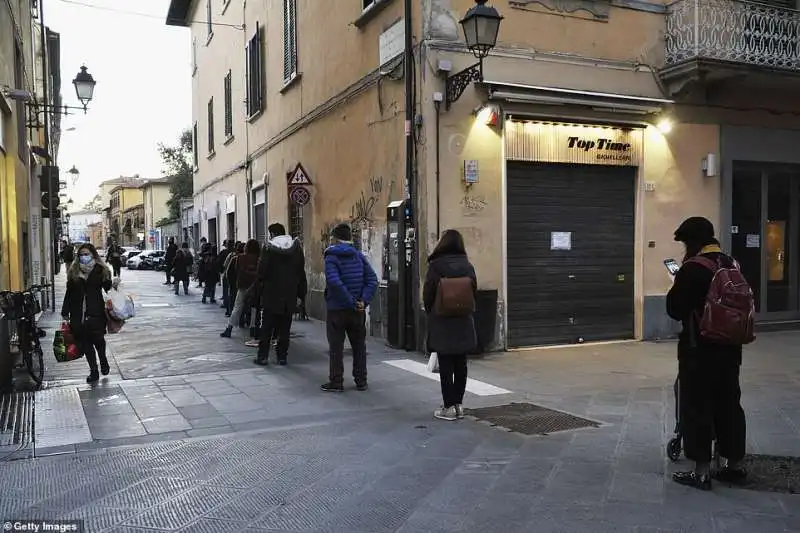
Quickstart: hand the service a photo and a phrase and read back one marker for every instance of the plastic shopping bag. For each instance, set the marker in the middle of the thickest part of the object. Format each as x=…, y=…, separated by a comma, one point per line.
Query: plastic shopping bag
x=66, y=332
x=63, y=350
x=433, y=363
x=120, y=305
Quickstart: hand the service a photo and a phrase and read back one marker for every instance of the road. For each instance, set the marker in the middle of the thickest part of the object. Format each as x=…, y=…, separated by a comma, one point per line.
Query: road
x=186, y=434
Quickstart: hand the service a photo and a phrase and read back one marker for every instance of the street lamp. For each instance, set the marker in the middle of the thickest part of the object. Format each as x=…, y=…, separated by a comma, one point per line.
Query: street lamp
x=75, y=173
x=481, y=25
x=84, y=87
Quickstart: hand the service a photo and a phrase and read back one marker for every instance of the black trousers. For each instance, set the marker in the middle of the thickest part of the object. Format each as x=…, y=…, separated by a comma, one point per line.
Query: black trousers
x=116, y=267
x=92, y=342
x=169, y=274
x=453, y=378
x=710, y=403
x=352, y=325
x=184, y=278
x=277, y=325
x=210, y=290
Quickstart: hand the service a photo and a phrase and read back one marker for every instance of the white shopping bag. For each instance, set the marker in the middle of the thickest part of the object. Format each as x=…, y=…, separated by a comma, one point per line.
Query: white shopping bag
x=433, y=363
x=121, y=305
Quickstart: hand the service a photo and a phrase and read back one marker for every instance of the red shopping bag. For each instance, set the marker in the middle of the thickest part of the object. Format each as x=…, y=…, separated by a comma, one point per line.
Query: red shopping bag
x=66, y=331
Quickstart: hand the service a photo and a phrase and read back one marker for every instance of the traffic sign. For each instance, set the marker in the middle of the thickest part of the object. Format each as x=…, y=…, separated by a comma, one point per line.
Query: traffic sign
x=298, y=176
x=300, y=195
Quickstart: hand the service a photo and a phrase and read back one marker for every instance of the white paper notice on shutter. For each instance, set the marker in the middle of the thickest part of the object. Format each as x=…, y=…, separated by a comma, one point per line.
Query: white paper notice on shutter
x=753, y=240
x=561, y=240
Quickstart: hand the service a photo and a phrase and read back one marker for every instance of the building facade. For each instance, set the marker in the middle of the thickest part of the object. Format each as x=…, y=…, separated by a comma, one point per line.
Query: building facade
x=566, y=163
x=79, y=226
x=155, y=194
x=126, y=213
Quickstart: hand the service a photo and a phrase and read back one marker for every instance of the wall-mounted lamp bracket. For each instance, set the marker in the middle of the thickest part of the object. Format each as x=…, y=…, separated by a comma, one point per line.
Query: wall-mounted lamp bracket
x=456, y=84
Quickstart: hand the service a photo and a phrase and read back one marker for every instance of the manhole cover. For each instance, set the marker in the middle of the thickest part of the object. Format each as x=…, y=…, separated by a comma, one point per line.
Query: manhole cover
x=530, y=419
x=772, y=473
x=16, y=422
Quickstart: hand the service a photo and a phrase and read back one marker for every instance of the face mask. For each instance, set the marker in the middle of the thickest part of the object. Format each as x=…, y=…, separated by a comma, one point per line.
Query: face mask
x=86, y=259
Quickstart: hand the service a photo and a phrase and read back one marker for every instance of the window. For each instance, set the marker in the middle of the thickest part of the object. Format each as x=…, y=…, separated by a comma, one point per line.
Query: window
x=194, y=145
x=209, y=24
x=289, y=40
x=255, y=73
x=194, y=56
x=228, y=107
x=367, y=4
x=211, y=126
x=296, y=220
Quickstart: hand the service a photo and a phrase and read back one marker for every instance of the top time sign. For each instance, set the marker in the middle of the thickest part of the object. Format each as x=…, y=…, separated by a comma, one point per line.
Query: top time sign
x=606, y=149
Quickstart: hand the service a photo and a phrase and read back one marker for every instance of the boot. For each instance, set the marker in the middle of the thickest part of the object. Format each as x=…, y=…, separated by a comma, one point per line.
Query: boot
x=93, y=376
x=104, y=368
x=226, y=333
x=203, y=300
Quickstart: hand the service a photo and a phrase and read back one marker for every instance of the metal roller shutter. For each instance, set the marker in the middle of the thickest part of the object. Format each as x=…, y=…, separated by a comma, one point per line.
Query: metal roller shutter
x=584, y=293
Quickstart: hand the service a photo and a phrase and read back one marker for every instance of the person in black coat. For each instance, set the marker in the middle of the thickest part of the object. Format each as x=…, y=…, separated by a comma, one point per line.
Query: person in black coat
x=452, y=337
x=182, y=267
x=85, y=308
x=282, y=279
x=169, y=259
x=212, y=274
x=708, y=373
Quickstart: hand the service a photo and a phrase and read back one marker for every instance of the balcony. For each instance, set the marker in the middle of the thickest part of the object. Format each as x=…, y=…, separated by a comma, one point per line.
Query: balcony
x=712, y=41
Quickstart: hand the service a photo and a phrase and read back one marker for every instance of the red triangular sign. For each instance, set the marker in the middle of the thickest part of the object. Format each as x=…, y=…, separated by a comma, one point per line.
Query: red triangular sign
x=299, y=176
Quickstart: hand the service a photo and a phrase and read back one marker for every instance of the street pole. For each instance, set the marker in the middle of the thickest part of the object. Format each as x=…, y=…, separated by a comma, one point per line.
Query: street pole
x=50, y=191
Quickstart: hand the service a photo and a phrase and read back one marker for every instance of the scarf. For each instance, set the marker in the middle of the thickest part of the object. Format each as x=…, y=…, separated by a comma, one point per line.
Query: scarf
x=710, y=249
x=85, y=270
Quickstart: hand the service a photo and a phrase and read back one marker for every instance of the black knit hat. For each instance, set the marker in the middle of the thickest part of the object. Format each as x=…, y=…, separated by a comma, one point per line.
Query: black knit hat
x=695, y=230
x=342, y=232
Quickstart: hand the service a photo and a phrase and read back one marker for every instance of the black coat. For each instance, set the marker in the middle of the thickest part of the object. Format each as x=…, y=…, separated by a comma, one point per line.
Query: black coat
x=169, y=257
x=91, y=289
x=451, y=335
x=282, y=275
x=685, y=302
x=182, y=264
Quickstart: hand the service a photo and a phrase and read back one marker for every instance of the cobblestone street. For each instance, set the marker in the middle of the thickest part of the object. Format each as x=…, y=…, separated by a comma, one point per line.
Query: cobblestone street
x=186, y=434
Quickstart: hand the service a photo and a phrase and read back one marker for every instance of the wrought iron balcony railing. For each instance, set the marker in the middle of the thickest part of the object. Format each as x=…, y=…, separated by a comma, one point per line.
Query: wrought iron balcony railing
x=734, y=31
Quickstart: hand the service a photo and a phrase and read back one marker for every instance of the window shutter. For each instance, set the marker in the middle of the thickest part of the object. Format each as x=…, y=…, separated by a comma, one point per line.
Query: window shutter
x=228, y=106
x=209, y=27
x=289, y=40
x=211, y=125
x=249, y=76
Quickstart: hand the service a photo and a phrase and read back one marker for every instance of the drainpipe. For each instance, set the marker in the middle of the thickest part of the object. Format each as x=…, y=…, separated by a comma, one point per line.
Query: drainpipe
x=410, y=296
x=248, y=167
x=437, y=104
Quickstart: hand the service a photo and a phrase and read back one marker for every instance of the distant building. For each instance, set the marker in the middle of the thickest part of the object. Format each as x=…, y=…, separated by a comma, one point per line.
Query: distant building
x=126, y=213
x=96, y=234
x=78, y=225
x=155, y=194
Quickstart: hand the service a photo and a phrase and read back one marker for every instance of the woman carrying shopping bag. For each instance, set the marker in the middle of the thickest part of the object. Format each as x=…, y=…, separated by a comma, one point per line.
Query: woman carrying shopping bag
x=449, y=299
x=85, y=307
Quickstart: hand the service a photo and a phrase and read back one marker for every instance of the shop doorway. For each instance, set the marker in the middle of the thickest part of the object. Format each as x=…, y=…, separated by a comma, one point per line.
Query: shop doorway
x=765, y=235
x=570, y=253
x=212, y=231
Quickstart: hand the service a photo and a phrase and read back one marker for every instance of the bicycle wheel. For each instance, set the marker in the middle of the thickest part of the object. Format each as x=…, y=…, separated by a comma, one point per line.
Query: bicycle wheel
x=34, y=361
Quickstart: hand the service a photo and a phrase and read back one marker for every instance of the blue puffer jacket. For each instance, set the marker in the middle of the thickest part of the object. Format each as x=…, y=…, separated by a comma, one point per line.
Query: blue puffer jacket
x=349, y=277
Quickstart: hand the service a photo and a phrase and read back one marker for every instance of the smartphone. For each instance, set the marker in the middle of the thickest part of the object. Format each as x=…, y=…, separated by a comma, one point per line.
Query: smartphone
x=672, y=266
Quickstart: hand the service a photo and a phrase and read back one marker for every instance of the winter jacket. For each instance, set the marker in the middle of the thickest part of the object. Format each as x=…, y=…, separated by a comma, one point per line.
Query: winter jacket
x=182, y=265
x=450, y=335
x=349, y=278
x=282, y=275
x=685, y=303
x=246, y=270
x=90, y=291
x=114, y=254
x=169, y=257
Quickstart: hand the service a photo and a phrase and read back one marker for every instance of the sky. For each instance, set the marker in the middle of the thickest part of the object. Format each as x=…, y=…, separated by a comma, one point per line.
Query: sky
x=143, y=94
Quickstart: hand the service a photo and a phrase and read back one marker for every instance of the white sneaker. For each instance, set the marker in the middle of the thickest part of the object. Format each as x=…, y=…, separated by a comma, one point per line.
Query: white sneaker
x=460, y=411
x=448, y=414
x=253, y=343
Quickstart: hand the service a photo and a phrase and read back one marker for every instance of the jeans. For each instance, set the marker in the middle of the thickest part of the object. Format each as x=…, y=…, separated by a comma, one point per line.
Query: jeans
x=351, y=324
x=274, y=324
x=210, y=290
x=185, y=281
x=238, y=308
x=225, y=292
x=453, y=377
x=93, y=342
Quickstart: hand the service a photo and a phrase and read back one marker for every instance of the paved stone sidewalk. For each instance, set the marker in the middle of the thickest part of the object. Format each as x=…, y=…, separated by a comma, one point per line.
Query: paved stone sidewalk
x=290, y=458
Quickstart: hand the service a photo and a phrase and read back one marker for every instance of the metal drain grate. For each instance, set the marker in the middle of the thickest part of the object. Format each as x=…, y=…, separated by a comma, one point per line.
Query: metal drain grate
x=530, y=419
x=772, y=473
x=16, y=422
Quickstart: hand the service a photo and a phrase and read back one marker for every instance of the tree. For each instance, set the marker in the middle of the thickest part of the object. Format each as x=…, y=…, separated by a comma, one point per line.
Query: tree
x=178, y=167
x=95, y=205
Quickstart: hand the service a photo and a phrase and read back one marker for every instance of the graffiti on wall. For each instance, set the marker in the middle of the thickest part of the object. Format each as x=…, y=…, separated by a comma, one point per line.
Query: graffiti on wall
x=473, y=204
x=362, y=212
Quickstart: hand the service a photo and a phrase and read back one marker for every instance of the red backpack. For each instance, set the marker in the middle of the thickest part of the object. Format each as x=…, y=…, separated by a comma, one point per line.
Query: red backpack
x=729, y=313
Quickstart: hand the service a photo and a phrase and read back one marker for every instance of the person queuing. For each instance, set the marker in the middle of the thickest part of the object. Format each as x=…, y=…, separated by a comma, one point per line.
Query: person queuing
x=211, y=276
x=169, y=259
x=246, y=268
x=114, y=257
x=181, y=268
x=282, y=278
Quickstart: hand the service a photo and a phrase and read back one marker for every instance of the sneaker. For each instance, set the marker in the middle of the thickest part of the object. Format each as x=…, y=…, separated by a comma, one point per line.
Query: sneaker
x=226, y=333
x=330, y=387
x=253, y=343
x=261, y=361
x=459, y=411
x=446, y=413
x=691, y=479
x=361, y=387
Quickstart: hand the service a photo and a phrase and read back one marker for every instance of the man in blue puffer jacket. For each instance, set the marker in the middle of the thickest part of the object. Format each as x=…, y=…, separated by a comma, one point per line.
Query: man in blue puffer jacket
x=350, y=285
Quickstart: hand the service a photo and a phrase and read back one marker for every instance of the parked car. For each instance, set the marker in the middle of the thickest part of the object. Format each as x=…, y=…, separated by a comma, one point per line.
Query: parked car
x=135, y=262
x=129, y=253
x=151, y=260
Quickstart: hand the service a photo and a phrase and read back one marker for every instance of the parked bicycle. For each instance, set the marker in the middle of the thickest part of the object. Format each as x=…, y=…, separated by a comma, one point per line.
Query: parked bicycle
x=24, y=308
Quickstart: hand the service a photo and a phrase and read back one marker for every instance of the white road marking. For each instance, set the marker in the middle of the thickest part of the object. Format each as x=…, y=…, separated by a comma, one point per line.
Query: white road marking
x=154, y=305
x=479, y=388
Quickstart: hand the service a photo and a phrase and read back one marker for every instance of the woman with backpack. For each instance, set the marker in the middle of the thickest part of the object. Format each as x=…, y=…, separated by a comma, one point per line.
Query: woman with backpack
x=449, y=299
x=710, y=354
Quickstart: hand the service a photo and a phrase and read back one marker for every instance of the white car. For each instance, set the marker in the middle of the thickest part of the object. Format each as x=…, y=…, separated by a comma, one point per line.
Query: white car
x=135, y=262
